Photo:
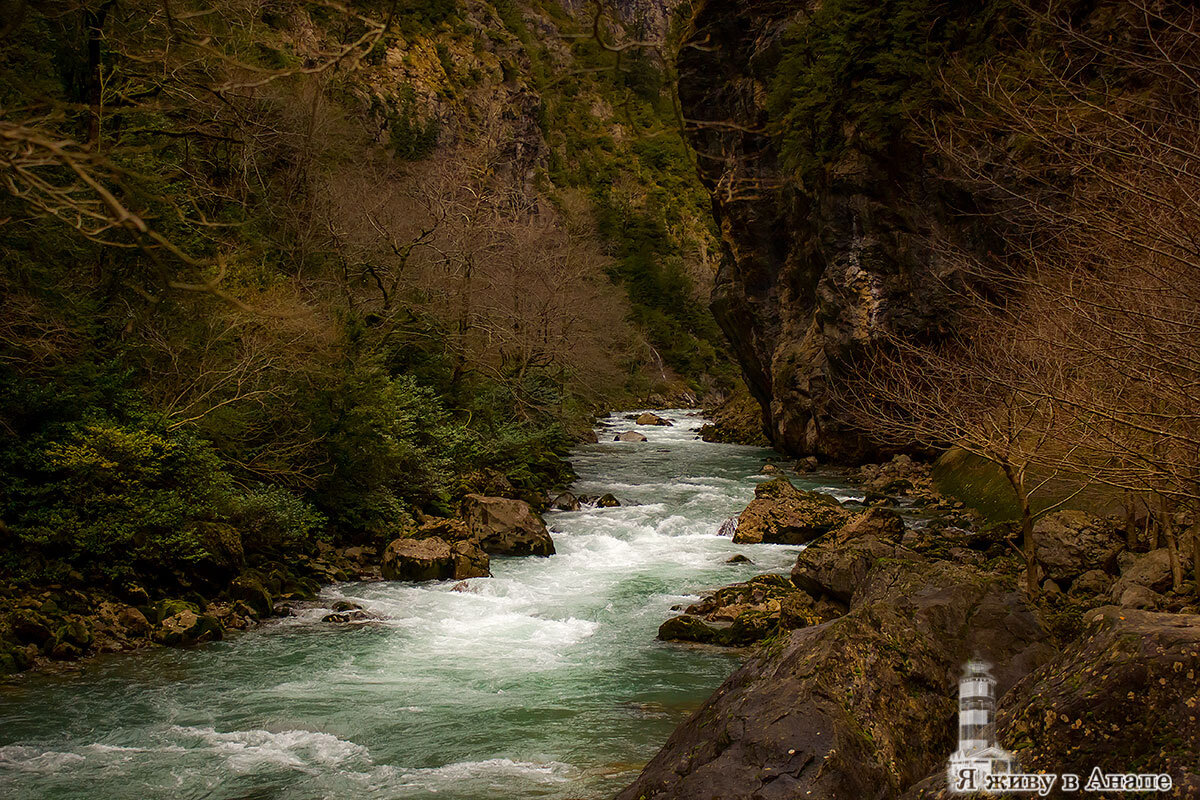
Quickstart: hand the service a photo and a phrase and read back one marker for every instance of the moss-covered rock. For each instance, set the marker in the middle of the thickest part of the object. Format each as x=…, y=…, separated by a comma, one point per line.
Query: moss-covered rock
x=249, y=589
x=743, y=613
x=782, y=514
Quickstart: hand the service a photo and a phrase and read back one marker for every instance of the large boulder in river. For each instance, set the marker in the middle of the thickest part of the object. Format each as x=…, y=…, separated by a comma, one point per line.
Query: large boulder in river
x=652, y=419
x=744, y=613
x=629, y=436
x=506, y=527
x=1069, y=543
x=856, y=707
x=782, y=514
x=439, y=549
x=566, y=501
x=408, y=559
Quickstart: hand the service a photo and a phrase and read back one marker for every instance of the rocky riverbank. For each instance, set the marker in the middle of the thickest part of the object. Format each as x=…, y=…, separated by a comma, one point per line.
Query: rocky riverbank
x=852, y=691
x=57, y=626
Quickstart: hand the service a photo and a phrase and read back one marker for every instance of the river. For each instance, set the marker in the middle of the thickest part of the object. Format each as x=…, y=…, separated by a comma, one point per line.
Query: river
x=544, y=681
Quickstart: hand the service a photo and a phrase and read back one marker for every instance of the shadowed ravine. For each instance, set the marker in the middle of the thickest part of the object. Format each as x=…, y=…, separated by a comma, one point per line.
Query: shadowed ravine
x=543, y=681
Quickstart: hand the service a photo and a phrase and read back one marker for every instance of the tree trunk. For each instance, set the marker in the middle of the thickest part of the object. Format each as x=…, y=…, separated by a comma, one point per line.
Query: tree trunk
x=1168, y=531
x=1131, y=531
x=1194, y=535
x=1028, y=544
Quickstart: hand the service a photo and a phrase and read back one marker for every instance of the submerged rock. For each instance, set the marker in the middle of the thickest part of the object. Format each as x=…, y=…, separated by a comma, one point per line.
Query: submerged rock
x=629, y=436
x=782, y=514
x=504, y=526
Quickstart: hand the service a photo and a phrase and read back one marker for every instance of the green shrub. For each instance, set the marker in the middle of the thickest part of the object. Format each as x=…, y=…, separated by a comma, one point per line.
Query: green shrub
x=272, y=519
x=114, y=500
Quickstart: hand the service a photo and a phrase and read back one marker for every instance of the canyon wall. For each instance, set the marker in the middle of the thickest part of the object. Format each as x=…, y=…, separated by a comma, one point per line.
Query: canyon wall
x=814, y=269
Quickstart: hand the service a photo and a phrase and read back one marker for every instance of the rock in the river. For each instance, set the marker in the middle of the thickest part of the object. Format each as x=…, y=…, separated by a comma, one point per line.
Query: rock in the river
x=467, y=553
x=629, y=436
x=687, y=628
x=565, y=502
x=508, y=527
x=187, y=627
x=607, y=501
x=743, y=613
x=856, y=707
x=470, y=560
x=782, y=514
x=408, y=559
x=1069, y=543
x=652, y=419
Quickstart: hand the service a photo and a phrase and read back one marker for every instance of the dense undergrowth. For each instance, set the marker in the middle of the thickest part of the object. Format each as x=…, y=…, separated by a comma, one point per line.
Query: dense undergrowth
x=264, y=361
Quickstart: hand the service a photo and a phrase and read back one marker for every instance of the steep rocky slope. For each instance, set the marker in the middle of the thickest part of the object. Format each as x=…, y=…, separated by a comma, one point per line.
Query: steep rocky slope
x=816, y=264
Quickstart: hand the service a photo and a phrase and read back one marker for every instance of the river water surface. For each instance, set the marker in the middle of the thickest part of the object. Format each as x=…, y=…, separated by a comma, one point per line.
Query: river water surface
x=544, y=681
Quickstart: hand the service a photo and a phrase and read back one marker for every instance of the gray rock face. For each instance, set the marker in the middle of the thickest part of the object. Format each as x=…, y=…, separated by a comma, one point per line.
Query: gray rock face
x=810, y=275
x=629, y=436
x=1069, y=543
x=1152, y=570
x=507, y=527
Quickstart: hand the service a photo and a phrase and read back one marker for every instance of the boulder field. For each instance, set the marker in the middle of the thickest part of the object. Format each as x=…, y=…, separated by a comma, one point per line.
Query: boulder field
x=852, y=691
x=457, y=549
x=62, y=624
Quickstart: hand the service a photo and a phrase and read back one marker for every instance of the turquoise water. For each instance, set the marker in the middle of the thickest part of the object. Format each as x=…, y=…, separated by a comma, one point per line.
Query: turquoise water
x=544, y=681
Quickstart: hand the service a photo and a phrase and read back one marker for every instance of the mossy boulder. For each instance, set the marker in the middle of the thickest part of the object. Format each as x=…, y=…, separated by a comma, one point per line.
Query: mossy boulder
x=1122, y=698
x=250, y=589
x=506, y=527
x=31, y=627
x=688, y=628
x=1069, y=543
x=782, y=514
x=429, y=559
x=187, y=628
x=868, y=697
x=743, y=613
x=13, y=660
